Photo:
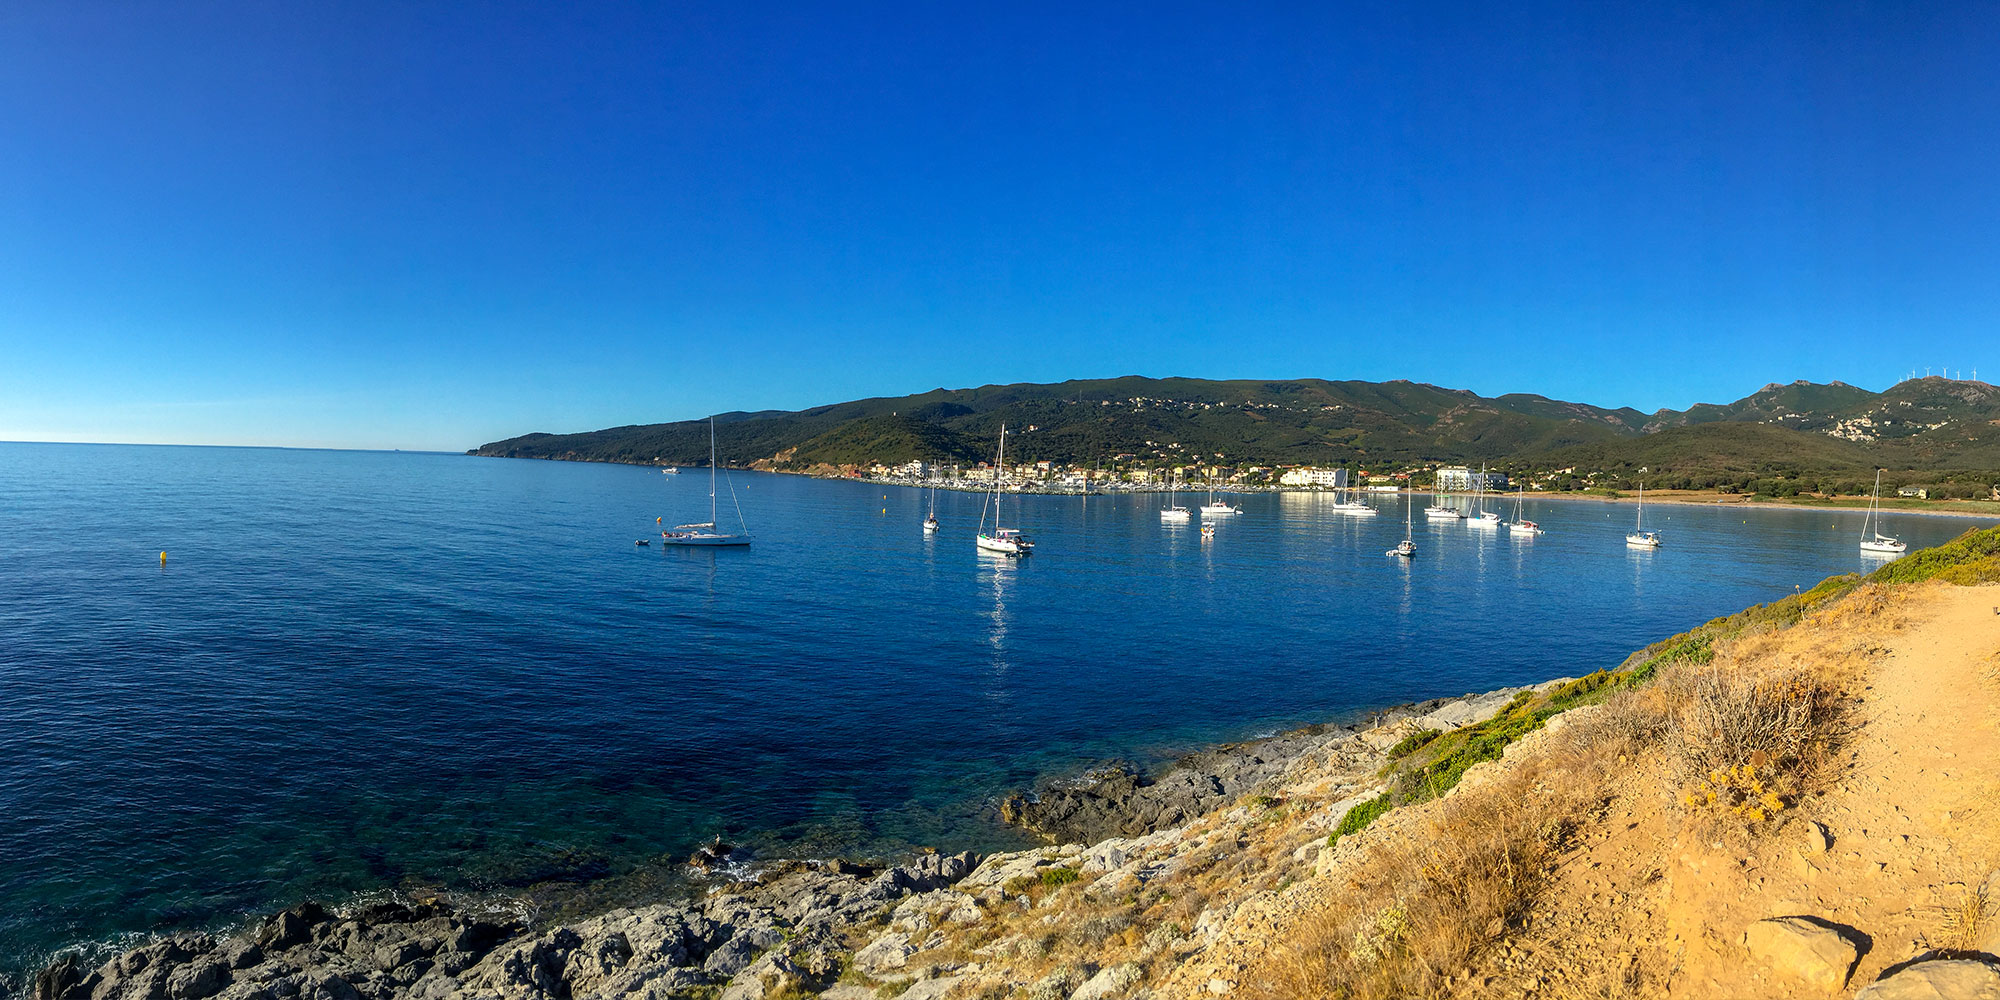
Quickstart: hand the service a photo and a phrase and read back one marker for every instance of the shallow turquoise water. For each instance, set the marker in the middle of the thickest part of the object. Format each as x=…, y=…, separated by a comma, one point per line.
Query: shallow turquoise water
x=359, y=670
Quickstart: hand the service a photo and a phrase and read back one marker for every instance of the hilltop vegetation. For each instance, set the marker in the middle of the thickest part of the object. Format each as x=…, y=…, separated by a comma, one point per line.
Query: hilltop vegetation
x=1795, y=438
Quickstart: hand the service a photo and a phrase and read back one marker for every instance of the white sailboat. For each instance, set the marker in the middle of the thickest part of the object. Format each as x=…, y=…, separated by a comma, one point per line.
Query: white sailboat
x=931, y=522
x=1640, y=538
x=1343, y=503
x=1214, y=506
x=1521, y=527
x=1872, y=538
x=1174, y=513
x=1003, y=541
x=1407, y=548
x=1441, y=510
x=1482, y=518
x=705, y=533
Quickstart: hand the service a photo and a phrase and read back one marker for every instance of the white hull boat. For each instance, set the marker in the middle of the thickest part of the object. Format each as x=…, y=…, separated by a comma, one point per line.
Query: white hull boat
x=1003, y=541
x=1640, y=538
x=1407, y=548
x=705, y=534
x=1483, y=519
x=1436, y=512
x=1872, y=538
x=1174, y=514
x=1521, y=527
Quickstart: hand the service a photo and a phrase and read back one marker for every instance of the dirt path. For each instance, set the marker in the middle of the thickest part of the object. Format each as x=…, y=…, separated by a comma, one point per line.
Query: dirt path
x=1914, y=824
x=1648, y=902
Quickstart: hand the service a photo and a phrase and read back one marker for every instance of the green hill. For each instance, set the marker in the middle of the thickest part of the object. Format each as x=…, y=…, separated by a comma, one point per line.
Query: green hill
x=1783, y=431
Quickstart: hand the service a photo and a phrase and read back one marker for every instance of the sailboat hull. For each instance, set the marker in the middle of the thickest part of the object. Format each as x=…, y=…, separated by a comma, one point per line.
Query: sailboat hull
x=1003, y=546
x=703, y=540
x=1890, y=545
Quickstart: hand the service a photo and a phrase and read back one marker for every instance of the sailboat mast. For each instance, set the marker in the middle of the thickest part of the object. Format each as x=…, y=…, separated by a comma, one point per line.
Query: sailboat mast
x=999, y=469
x=711, y=475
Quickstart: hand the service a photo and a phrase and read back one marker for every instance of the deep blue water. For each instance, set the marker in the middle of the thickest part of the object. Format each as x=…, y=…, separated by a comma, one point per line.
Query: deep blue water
x=362, y=670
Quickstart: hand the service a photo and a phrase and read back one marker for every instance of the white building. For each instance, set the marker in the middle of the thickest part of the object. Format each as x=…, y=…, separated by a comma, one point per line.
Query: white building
x=1330, y=478
x=1460, y=479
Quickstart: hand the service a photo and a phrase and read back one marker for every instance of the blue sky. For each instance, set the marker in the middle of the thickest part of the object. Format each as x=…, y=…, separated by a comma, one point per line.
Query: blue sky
x=430, y=225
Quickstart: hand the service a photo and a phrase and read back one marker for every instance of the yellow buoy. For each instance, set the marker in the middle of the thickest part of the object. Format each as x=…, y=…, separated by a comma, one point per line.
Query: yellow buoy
x=163, y=558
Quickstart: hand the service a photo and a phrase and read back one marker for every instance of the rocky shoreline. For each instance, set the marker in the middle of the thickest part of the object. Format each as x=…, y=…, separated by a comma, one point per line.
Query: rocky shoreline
x=794, y=928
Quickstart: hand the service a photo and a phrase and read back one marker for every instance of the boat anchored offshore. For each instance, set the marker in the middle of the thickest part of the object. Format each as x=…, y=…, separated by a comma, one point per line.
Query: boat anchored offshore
x=1520, y=526
x=1174, y=513
x=1214, y=506
x=1344, y=504
x=1003, y=541
x=705, y=533
x=1441, y=510
x=1640, y=538
x=1407, y=548
x=1481, y=518
x=1872, y=538
x=931, y=522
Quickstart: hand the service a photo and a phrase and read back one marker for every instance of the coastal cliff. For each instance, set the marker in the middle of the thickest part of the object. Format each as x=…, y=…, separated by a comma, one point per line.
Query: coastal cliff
x=1797, y=800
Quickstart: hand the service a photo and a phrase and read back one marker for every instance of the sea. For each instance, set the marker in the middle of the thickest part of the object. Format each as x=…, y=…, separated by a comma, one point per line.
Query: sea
x=233, y=679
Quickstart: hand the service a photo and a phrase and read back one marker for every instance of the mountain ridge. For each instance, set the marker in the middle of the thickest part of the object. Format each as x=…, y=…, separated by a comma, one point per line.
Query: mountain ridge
x=1929, y=423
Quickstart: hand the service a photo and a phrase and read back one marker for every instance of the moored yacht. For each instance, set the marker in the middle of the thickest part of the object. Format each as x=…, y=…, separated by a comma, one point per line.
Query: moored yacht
x=705, y=533
x=1003, y=541
x=1521, y=527
x=1872, y=538
x=1640, y=538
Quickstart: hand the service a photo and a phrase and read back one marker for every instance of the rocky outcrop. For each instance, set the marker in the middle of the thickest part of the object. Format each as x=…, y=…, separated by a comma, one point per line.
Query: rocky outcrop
x=1117, y=800
x=812, y=926
x=785, y=928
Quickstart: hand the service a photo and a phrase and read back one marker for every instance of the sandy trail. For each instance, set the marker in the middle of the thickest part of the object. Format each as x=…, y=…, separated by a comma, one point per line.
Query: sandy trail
x=1912, y=823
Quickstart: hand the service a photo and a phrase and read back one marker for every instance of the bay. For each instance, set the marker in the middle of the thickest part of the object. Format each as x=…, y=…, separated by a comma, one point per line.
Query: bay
x=364, y=670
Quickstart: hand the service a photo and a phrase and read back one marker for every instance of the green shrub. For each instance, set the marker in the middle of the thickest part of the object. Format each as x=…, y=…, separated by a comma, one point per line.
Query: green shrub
x=1358, y=818
x=1971, y=558
x=1414, y=742
x=1059, y=876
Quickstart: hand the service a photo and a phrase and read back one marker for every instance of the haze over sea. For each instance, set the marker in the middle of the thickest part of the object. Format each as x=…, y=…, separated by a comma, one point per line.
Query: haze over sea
x=365, y=670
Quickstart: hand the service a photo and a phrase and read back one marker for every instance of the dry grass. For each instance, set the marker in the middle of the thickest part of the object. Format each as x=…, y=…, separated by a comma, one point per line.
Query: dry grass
x=1431, y=903
x=1967, y=921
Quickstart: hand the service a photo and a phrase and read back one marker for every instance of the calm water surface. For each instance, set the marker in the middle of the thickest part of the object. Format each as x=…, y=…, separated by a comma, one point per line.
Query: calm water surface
x=365, y=670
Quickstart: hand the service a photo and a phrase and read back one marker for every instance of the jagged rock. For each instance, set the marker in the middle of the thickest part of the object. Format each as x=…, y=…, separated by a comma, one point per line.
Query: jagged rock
x=1058, y=985
x=932, y=989
x=1815, y=839
x=1109, y=982
x=925, y=910
x=1938, y=980
x=1812, y=953
x=768, y=975
x=890, y=951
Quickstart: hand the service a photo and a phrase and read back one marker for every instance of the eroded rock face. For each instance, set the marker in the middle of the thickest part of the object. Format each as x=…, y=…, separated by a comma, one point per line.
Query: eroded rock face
x=785, y=928
x=1116, y=800
x=1813, y=953
x=1938, y=980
